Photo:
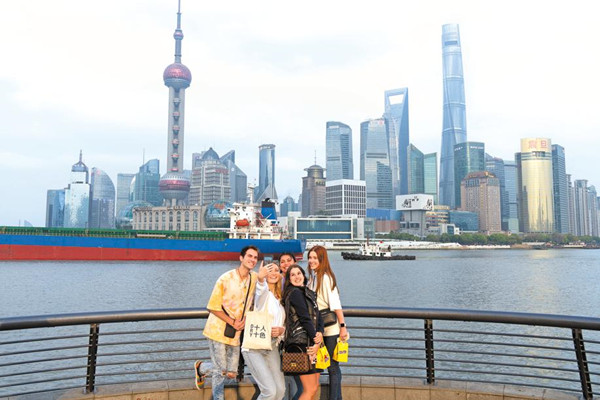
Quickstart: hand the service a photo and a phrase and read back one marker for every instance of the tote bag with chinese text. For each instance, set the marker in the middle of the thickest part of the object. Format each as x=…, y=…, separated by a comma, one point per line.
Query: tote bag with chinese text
x=257, y=330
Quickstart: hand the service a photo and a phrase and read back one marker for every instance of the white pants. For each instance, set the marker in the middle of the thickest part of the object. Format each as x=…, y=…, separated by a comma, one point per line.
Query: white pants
x=265, y=367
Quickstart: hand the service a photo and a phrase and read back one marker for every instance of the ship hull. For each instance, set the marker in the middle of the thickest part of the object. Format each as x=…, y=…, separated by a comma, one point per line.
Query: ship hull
x=35, y=247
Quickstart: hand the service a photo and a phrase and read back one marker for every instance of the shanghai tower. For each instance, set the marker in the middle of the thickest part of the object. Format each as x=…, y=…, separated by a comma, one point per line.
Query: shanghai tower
x=455, y=122
x=174, y=186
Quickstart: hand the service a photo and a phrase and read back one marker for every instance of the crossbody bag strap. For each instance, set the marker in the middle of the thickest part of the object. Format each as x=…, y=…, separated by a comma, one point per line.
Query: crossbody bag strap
x=247, y=293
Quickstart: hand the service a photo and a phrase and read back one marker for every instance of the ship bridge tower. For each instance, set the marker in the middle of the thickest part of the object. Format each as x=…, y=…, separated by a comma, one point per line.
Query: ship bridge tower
x=173, y=185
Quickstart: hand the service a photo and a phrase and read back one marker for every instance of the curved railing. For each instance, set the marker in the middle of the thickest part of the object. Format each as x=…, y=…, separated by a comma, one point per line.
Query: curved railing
x=85, y=350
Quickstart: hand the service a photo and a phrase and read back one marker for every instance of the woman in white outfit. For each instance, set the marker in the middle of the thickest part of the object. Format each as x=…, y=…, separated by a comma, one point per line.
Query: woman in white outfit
x=265, y=365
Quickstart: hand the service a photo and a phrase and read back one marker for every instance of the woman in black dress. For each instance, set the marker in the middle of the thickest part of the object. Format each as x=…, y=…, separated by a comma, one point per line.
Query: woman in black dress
x=304, y=327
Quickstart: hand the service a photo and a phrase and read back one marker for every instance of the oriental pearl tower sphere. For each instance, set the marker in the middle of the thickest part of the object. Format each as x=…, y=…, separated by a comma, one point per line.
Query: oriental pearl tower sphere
x=173, y=185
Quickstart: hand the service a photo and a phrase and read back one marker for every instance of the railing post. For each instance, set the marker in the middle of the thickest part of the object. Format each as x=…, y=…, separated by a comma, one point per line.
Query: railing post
x=90, y=379
x=584, y=372
x=429, y=351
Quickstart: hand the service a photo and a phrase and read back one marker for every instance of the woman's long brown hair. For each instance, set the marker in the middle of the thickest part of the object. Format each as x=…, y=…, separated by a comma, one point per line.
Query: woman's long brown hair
x=324, y=267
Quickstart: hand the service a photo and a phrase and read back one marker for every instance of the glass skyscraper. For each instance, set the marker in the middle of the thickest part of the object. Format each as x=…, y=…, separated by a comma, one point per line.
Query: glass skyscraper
x=561, y=190
x=536, y=197
x=124, y=194
x=55, y=208
x=416, y=173
x=468, y=157
x=455, y=121
x=396, y=115
x=146, y=181
x=495, y=165
x=266, y=173
x=512, y=189
x=338, y=148
x=102, y=200
x=375, y=163
x=77, y=197
x=430, y=175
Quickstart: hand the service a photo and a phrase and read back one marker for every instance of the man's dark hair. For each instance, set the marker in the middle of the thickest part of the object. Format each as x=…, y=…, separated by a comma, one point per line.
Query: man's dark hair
x=245, y=249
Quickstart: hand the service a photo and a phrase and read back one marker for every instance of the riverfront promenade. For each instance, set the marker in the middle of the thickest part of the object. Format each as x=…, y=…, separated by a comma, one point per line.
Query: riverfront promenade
x=395, y=353
x=354, y=388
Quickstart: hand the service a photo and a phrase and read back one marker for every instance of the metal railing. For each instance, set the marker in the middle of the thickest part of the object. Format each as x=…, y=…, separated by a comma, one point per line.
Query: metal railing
x=85, y=350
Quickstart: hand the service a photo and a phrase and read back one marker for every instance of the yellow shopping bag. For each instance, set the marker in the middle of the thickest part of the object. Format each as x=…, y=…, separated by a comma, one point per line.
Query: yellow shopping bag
x=340, y=354
x=323, y=360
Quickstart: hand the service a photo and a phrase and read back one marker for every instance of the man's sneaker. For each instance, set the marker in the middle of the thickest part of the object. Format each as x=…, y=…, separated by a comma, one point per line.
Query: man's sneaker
x=199, y=375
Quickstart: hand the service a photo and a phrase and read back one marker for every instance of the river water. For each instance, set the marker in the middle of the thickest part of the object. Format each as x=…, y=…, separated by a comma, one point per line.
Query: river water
x=562, y=281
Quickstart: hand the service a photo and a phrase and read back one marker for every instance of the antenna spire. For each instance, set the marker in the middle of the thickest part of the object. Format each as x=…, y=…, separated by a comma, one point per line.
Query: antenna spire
x=178, y=35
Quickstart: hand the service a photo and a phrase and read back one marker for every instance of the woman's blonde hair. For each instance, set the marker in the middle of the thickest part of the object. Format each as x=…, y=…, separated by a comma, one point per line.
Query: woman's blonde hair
x=275, y=288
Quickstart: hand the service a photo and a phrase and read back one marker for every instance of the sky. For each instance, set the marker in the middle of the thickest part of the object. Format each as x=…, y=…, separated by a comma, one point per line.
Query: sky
x=80, y=75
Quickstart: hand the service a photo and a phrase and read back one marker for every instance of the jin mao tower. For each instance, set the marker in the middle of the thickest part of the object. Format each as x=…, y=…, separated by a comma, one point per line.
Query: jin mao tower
x=174, y=186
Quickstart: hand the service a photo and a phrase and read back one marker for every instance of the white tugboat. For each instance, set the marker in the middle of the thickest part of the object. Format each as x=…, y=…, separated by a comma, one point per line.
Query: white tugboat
x=377, y=251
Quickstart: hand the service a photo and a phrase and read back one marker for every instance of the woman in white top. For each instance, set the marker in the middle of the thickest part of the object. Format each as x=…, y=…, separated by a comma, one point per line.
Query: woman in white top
x=265, y=365
x=322, y=281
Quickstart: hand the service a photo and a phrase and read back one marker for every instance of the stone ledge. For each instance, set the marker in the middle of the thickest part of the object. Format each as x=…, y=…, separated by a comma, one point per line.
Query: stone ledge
x=354, y=388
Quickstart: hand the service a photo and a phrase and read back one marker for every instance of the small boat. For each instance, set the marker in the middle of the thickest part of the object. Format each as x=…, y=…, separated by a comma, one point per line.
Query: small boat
x=375, y=252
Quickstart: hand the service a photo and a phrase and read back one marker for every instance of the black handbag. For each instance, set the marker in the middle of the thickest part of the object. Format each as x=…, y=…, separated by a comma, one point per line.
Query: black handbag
x=328, y=317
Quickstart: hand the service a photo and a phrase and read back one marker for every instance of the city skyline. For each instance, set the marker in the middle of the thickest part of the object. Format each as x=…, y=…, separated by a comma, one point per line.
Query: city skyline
x=89, y=78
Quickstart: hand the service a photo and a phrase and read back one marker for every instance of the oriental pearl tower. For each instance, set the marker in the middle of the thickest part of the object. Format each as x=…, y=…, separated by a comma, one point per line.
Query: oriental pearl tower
x=174, y=186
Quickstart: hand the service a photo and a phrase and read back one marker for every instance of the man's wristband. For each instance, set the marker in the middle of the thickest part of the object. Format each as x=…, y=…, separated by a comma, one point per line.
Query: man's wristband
x=342, y=325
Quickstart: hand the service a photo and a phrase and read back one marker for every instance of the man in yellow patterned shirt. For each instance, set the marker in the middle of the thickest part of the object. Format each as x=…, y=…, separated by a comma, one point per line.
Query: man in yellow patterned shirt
x=233, y=292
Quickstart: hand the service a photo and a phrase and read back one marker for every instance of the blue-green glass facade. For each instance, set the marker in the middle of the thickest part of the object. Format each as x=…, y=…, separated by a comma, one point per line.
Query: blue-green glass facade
x=396, y=116
x=468, y=157
x=465, y=220
x=455, y=120
x=338, y=142
x=430, y=175
x=375, y=163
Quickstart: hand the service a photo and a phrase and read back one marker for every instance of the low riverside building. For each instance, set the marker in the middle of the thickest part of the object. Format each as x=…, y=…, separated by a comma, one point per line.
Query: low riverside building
x=182, y=218
x=329, y=227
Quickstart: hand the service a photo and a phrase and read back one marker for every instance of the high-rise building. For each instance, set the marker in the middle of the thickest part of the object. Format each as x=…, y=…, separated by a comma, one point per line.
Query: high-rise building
x=396, y=116
x=55, y=208
x=313, y=191
x=495, y=165
x=536, y=197
x=512, y=189
x=480, y=193
x=77, y=197
x=572, y=216
x=375, y=164
x=146, y=183
x=288, y=205
x=174, y=186
x=346, y=197
x=430, y=175
x=593, y=210
x=266, y=173
x=238, y=180
x=582, y=222
x=338, y=149
x=454, y=129
x=416, y=173
x=124, y=193
x=468, y=157
x=561, y=190
x=210, y=180
x=102, y=200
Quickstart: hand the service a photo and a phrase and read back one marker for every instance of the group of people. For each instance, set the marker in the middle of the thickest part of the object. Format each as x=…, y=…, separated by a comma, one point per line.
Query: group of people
x=298, y=302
